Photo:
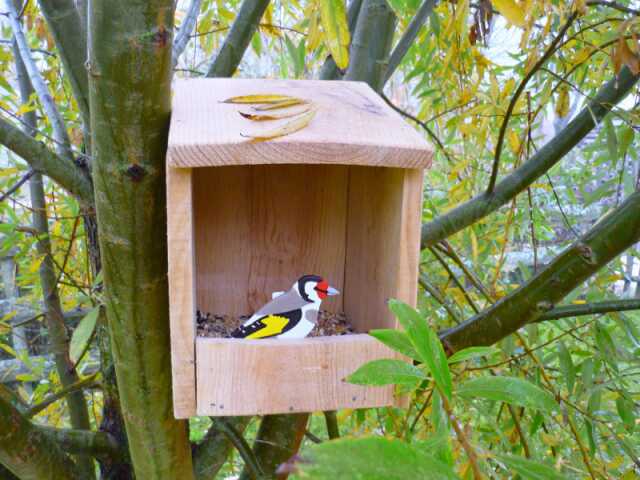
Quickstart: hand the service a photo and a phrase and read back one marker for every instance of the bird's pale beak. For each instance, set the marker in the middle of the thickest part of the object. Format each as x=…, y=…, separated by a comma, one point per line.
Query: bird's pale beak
x=333, y=291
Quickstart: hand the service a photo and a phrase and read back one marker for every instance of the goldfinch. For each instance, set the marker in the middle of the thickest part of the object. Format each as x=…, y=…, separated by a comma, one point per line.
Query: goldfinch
x=292, y=314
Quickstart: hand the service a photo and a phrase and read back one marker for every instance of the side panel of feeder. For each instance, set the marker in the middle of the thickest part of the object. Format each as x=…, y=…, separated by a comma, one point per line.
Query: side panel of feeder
x=181, y=290
x=383, y=243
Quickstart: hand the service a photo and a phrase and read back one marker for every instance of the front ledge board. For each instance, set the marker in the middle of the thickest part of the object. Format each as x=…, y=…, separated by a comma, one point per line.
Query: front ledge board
x=352, y=126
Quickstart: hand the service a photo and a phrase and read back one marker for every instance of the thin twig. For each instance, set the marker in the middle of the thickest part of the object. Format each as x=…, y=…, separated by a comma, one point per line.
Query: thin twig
x=455, y=279
x=83, y=384
x=426, y=128
x=433, y=291
x=241, y=446
x=514, y=99
x=14, y=188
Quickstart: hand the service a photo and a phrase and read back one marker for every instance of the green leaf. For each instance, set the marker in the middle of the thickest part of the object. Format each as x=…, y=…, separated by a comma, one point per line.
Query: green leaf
x=567, y=367
x=529, y=469
x=625, y=410
x=333, y=17
x=426, y=343
x=82, y=334
x=471, y=352
x=396, y=340
x=387, y=372
x=612, y=140
x=510, y=390
x=406, y=315
x=372, y=458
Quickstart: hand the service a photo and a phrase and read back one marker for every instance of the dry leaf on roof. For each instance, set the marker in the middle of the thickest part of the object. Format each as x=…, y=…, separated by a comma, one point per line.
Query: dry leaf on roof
x=289, y=102
x=297, y=123
x=260, y=98
x=260, y=117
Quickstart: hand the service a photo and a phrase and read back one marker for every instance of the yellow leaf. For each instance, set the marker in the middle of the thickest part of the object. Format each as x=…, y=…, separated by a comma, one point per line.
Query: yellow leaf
x=562, y=106
x=333, y=17
x=261, y=117
x=260, y=98
x=514, y=142
x=291, y=102
x=298, y=123
x=268, y=25
x=314, y=36
x=511, y=11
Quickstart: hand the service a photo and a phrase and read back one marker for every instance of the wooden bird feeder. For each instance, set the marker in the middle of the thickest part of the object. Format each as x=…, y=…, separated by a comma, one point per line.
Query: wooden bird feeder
x=340, y=198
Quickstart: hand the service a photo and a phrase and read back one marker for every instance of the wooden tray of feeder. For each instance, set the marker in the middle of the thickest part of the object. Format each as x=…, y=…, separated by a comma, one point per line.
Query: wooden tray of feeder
x=340, y=198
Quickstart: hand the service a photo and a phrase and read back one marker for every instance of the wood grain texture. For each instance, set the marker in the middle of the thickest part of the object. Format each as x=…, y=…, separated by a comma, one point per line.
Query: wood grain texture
x=181, y=290
x=353, y=126
x=259, y=228
x=247, y=377
x=374, y=250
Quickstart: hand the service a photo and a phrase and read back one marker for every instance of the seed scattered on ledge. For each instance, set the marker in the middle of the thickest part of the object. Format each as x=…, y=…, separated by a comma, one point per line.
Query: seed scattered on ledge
x=221, y=326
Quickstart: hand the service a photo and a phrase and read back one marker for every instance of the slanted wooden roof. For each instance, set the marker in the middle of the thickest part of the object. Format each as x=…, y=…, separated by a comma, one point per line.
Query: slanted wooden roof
x=352, y=126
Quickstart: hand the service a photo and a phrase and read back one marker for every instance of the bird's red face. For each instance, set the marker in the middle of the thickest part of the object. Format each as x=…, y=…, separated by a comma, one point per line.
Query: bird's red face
x=322, y=288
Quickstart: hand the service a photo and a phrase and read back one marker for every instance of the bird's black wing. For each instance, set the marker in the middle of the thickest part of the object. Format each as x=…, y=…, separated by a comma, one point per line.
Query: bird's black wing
x=269, y=326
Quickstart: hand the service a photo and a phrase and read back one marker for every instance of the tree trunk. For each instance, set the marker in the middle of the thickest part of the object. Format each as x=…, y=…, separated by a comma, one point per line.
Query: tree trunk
x=130, y=80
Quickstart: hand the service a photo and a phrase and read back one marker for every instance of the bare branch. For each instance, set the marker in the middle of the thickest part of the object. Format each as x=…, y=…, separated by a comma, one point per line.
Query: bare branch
x=185, y=30
x=597, y=308
x=61, y=170
x=65, y=24
x=238, y=39
x=57, y=123
x=408, y=37
x=16, y=186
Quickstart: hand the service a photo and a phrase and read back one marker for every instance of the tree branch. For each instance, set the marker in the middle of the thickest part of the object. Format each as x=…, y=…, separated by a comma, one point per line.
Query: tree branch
x=237, y=41
x=371, y=43
x=616, y=232
x=45, y=459
x=61, y=170
x=614, y=6
x=16, y=186
x=514, y=99
x=235, y=437
x=57, y=123
x=84, y=442
x=185, y=30
x=482, y=205
x=65, y=24
x=85, y=383
x=597, y=308
x=408, y=37
x=211, y=453
x=278, y=439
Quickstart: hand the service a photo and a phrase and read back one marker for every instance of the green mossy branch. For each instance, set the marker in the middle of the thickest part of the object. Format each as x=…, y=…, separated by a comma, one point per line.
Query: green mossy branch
x=616, y=232
x=28, y=452
x=522, y=177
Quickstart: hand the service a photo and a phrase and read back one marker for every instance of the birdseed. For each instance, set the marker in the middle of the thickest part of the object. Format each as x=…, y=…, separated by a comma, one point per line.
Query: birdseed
x=221, y=326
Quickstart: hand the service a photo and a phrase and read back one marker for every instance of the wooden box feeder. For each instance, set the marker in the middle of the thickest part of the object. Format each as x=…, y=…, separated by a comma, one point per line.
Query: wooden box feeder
x=340, y=198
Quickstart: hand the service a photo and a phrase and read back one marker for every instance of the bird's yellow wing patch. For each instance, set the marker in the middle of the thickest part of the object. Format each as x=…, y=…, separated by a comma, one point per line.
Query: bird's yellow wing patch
x=273, y=325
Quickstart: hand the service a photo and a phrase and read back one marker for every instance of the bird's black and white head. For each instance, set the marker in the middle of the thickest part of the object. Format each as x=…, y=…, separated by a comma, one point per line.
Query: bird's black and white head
x=313, y=288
